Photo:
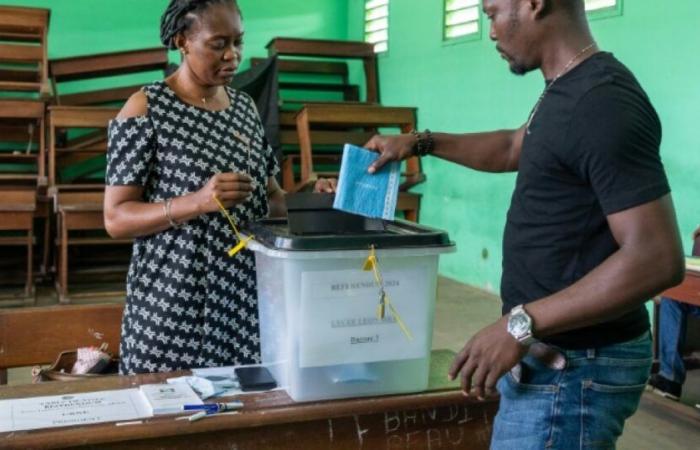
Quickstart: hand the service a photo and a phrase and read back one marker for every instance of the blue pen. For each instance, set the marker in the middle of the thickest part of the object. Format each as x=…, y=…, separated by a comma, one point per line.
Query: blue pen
x=212, y=408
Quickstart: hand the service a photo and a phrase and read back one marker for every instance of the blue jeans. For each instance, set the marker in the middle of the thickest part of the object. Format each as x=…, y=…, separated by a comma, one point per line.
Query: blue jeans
x=583, y=406
x=672, y=327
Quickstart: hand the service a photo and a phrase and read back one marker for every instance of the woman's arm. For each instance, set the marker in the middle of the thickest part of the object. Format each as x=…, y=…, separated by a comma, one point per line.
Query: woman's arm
x=126, y=214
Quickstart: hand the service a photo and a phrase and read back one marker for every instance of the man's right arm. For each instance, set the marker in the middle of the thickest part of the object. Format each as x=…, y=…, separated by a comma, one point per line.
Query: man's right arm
x=496, y=151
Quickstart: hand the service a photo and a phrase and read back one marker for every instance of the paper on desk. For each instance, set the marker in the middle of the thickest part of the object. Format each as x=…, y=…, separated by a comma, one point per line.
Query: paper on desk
x=226, y=371
x=205, y=387
x=72, y=409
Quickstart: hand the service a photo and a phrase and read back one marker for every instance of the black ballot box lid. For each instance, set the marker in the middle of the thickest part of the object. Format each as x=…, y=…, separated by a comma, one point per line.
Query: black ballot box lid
x=313, y=213
x=275, y=234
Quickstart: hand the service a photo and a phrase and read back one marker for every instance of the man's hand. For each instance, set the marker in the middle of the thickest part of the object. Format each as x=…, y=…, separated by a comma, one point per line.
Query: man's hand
x=485, y=358
x=390, y=148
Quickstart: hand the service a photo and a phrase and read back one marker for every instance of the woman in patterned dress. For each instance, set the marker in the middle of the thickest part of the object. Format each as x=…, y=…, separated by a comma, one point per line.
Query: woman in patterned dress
x=176, y=145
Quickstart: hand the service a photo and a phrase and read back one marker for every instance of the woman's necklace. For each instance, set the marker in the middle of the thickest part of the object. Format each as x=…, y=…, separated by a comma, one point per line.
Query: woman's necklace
x=554, y=80
x=209, y=98
x=204, y=99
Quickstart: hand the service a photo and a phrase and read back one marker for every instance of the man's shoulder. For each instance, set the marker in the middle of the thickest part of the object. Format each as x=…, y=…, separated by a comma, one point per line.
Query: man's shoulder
x=606, y=76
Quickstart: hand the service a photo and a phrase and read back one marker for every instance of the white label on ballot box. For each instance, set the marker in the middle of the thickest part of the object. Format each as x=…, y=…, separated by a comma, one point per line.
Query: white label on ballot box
x=339, y=322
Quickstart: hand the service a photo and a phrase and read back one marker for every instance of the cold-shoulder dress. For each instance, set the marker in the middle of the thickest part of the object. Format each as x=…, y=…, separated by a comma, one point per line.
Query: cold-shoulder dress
x=188, y=303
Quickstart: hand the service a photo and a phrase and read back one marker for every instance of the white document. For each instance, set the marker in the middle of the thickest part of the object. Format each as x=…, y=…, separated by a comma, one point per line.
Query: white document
x=338, y=322
x=169, y=398
x=72, y=409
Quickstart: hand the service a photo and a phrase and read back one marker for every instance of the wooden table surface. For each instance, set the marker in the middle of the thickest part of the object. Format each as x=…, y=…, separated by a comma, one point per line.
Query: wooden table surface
x=688, y=291
x=441, y=418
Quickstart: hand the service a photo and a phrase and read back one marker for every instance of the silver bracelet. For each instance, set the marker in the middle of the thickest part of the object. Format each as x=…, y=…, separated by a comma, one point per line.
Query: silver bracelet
x=166, y=208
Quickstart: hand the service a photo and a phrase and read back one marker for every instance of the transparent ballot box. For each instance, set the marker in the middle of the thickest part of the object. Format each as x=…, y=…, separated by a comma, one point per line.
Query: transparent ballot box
x=322, y=335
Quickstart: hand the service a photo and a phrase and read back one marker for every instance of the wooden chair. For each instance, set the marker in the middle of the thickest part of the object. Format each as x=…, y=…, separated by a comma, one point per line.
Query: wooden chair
x=22, y=160
x=328, y=49
x=335, y=124
x=78, y=199
x=33, y=336
x=23, y=49
x=104, y=65
x=22, y=172
x=17, y=208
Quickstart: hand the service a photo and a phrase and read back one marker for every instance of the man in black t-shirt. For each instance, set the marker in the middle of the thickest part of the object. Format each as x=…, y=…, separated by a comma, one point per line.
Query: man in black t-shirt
x=591, y=234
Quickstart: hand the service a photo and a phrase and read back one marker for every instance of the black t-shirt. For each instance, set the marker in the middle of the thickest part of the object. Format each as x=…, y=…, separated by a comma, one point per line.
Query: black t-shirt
x=593, y=150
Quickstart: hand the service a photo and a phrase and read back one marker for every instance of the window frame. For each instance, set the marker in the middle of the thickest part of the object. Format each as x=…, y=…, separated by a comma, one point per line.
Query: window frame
x=388, y=27
x=604, y=13
x=464, y=38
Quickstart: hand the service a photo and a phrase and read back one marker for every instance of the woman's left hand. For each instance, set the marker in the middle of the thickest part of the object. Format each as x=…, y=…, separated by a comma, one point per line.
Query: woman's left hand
x=326, y=185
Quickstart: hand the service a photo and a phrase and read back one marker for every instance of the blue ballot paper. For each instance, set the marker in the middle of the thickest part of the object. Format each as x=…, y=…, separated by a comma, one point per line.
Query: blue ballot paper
x=369, y=195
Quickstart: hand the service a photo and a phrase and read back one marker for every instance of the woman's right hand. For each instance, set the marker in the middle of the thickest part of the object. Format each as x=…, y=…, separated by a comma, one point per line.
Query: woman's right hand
x=230, y=188
x=326, y=185
x=390, y=148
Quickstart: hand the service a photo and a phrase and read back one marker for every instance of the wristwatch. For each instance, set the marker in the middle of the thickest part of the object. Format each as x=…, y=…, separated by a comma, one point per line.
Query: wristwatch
x=520, y=326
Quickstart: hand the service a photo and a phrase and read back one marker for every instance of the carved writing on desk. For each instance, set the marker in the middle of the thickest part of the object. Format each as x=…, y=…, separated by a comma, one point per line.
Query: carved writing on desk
x=460, y=426
x=455, y=426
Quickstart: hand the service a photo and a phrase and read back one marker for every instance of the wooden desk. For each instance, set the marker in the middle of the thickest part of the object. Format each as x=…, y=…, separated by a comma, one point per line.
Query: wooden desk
x=688, y=291
x=438, y=419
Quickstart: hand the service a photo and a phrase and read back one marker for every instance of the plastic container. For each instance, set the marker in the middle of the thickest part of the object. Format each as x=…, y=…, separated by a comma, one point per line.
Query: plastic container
x=320, y=336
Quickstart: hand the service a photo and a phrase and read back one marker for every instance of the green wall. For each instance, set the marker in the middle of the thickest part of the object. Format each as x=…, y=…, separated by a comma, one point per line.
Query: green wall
x=92, y=26
x=458, y=87
x=465, y=86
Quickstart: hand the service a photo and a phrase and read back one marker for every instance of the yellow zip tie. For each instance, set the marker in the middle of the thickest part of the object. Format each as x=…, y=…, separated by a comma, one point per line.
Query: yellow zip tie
x=371, y=263
x=381, y=310
x=242, y=242
x=401, y=323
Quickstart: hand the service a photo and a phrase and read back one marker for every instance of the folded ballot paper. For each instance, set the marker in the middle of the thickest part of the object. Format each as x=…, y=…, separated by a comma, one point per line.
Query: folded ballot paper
x=359, y=192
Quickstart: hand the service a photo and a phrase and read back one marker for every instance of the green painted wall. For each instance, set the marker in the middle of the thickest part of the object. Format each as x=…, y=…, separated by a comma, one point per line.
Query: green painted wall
x=466, y=87
x=93, y=26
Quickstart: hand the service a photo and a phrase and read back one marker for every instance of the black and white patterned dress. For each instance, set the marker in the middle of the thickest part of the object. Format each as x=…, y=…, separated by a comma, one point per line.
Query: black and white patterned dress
x=188, y=303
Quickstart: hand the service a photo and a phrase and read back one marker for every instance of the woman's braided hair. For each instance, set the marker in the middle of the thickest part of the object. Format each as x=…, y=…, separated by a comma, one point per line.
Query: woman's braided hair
x=177, y=18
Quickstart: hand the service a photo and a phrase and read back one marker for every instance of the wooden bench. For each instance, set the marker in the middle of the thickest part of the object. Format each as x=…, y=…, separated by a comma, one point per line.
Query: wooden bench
x=104, y=65
x=33, y=336
x=78, y=202
x=330, y=49
x=299, y=77
x=439, y=418
x=23, y=48
x=329, y=124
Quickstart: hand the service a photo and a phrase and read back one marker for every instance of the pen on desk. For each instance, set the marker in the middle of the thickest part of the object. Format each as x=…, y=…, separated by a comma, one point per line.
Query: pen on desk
x=204, y=414
x=196, y=417
x=134, y=422
x=214, y=407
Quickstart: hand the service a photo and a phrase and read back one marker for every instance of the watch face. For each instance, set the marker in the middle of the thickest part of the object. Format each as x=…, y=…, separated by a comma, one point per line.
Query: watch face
x=518, y=324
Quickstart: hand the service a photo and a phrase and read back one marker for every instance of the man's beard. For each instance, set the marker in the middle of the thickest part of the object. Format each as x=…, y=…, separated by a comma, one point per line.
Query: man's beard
x=518, y=69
